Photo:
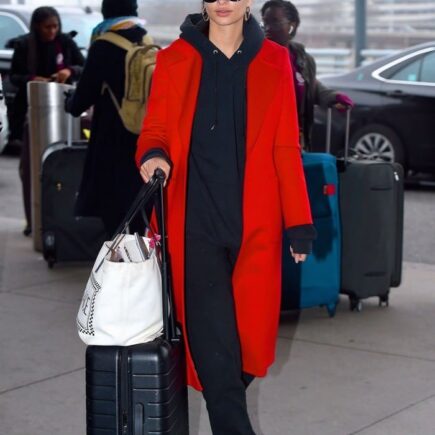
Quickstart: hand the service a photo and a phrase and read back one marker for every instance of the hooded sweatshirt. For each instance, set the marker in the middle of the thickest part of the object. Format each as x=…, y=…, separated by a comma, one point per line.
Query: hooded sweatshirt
x=217, y=151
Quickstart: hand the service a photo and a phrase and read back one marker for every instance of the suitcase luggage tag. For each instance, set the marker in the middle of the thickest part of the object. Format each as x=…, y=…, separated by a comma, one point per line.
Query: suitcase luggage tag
x=329, y=189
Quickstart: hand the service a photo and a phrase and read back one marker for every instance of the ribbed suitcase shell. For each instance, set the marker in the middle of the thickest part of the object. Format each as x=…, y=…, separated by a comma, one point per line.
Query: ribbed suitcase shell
x=64, y=236
x=136, y=390
x=371, y=196
x=397, y=246
x=316, y=282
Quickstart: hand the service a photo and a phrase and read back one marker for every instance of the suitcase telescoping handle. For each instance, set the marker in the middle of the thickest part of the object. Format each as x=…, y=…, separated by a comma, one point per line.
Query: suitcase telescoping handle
x=149, y=191
x=329, y=132
x=69, y=129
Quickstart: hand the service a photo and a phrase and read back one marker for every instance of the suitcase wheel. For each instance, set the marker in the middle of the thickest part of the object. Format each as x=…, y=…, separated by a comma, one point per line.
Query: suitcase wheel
x=332, y=308
x=50, y=263
x=355, y=304
x=384, y=300
x=49, y=248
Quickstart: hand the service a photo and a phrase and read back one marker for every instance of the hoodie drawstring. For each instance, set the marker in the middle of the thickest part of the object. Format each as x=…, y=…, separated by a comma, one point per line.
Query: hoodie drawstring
x=216, y=77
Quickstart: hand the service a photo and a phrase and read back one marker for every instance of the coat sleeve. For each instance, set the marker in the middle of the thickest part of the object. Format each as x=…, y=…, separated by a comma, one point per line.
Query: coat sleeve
x=89, y=87
x=287, y=157
x=153, y=137
x=19, y=74
x=323, y=96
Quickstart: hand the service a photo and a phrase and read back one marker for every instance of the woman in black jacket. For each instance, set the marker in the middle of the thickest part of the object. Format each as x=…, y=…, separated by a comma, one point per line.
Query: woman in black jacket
x=45, y=54
x=281, y=21
x=110, y=180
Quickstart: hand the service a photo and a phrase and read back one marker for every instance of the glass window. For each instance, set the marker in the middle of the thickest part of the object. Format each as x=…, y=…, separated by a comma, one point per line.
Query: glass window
x=9, y=28
x=408, y=73
x=428, y=68
x=83, y=24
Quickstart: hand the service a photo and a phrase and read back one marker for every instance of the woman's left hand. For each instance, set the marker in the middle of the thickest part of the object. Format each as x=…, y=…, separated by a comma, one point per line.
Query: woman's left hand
x=298, y=257
x=62, y=76
x=343, y=102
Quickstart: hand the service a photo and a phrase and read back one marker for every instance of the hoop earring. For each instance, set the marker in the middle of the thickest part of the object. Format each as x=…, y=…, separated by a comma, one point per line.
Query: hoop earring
x=247, y=13
x=205, y=16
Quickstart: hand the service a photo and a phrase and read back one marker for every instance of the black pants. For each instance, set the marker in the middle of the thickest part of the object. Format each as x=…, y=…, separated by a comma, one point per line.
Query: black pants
x=213, y=337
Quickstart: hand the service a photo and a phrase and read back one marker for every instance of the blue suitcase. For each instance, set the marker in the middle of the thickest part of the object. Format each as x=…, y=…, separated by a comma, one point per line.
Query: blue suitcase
x=316, y=282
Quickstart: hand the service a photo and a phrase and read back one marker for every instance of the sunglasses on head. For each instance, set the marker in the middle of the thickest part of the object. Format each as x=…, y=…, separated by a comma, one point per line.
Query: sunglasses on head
x=212, y=1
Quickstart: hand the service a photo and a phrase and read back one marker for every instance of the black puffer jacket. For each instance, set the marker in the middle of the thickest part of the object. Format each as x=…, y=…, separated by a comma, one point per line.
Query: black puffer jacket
x=34, y=58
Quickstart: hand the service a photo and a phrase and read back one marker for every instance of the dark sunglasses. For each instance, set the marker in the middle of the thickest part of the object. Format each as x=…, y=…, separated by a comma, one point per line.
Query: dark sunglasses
x=212, y=1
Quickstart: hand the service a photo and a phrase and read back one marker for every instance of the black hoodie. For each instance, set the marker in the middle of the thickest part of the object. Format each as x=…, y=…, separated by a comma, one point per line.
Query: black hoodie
x=217, y=152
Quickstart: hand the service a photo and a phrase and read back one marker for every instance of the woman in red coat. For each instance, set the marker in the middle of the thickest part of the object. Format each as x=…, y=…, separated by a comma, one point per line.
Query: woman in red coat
x=222, y=123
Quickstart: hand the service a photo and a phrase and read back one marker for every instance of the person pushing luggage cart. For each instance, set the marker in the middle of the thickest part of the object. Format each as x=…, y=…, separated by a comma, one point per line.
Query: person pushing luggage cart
x=228, y=142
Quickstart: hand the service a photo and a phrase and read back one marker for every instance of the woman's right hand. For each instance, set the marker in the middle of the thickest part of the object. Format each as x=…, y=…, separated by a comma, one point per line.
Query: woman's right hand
x=148, y=168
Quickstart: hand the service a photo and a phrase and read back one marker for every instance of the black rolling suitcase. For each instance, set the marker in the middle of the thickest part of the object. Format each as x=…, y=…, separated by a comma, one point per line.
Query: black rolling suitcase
x=140, y=389
x=371, y=204
x=66, y=237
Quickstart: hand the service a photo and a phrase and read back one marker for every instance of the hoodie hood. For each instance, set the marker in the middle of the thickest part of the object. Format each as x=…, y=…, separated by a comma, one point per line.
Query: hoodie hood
x=194, y=30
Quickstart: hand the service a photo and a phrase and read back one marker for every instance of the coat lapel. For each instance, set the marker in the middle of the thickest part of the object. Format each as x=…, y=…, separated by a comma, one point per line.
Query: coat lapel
x=263, y=79
x=186, y=74
x=262, y=83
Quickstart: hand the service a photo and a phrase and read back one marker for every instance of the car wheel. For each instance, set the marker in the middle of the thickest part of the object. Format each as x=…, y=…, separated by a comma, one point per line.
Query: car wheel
x=377, y=142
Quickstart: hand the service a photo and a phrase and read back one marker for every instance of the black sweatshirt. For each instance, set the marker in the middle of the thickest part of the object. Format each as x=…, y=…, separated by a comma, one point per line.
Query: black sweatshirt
x=217, y=151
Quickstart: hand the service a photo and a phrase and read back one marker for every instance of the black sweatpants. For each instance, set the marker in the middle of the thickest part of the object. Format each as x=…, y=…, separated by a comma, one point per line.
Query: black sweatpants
x=213, y=337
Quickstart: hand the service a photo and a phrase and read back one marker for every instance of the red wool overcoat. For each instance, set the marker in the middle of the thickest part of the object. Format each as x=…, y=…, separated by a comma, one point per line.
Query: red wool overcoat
x=274, y=194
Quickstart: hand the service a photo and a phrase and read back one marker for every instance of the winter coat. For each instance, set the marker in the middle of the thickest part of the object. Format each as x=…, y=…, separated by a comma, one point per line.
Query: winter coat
x=274, y=191
x=110, y=179
x=32, y=58
x=315, y=92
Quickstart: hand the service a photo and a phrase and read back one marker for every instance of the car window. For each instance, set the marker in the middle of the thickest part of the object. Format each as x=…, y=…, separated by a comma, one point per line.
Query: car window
x=9, y=28
x=83, y=24
x=409, y=73
x=428, y=68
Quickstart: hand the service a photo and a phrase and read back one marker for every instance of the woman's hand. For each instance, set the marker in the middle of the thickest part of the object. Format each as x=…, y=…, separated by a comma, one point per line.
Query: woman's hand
x=148, y=168
x=343, y=102
x=40, y=79
x=298, y=257
x=61, y=76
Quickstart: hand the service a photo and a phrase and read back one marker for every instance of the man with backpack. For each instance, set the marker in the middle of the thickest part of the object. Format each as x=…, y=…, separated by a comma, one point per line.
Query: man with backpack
x=115, y=81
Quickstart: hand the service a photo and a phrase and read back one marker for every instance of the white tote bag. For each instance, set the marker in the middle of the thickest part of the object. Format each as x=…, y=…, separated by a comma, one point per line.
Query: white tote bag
x=122, y=302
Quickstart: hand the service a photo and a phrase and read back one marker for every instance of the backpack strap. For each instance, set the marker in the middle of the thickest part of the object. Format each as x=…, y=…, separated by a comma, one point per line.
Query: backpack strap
x=117, y=40
x=147, y=40
x=120, y=42
x=105, y=88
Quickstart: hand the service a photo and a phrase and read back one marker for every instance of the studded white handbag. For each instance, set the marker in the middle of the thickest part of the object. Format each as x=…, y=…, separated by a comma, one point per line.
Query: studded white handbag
x=122, y=301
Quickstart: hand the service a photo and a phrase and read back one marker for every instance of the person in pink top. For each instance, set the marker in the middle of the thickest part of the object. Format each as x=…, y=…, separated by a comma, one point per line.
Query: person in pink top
x=281, y=22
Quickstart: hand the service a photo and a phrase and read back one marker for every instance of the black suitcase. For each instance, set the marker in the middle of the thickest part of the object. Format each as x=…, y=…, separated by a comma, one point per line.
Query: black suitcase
x=141, y=389
x=371, y=204
x=66, y=237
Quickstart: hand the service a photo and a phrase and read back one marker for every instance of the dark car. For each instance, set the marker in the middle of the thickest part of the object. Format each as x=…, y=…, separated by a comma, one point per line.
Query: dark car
x=394, y=114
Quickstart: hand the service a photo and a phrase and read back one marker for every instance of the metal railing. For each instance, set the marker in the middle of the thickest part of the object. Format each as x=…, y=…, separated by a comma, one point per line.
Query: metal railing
x=329, y=60
x=341, y=60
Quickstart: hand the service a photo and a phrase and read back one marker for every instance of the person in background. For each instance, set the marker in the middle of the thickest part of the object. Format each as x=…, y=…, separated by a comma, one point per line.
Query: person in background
x=281, y=22
x=110, y=180
x=222, y=111
x=45, y=55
